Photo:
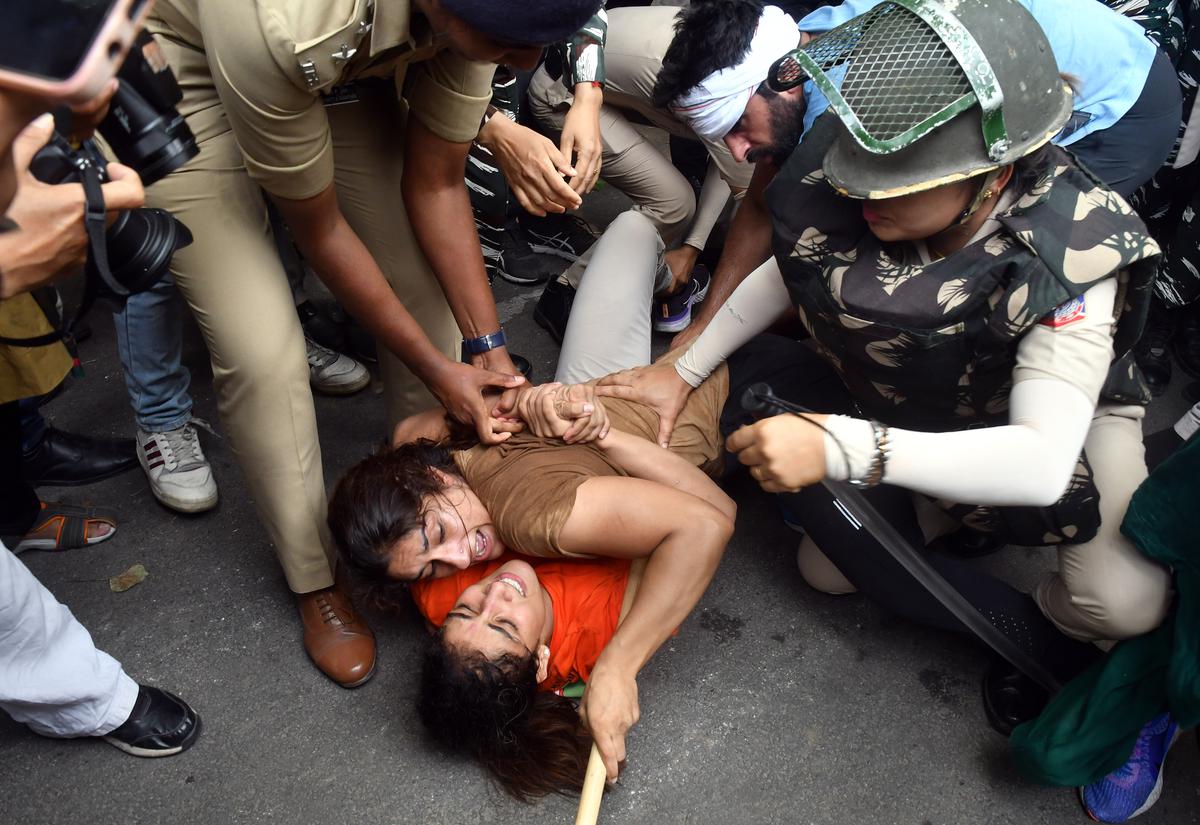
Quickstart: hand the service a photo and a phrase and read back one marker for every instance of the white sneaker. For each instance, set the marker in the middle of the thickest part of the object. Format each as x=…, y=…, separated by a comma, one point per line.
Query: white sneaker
x=180, y=476
x=332, y=373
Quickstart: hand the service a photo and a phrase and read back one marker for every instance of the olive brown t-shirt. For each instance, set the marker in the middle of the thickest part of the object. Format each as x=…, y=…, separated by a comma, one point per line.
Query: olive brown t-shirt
x=276, y=64
x=528, y=484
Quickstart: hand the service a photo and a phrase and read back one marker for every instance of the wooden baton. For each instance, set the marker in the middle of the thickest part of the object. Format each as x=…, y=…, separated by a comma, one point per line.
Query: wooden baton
x=594, y=776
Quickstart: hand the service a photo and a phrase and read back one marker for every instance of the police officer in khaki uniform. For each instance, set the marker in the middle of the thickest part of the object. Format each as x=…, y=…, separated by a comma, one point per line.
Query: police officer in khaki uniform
x=355, y=117
x=638, y=38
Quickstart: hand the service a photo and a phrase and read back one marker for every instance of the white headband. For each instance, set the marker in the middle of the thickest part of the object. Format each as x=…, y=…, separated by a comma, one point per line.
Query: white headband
x=713, y=107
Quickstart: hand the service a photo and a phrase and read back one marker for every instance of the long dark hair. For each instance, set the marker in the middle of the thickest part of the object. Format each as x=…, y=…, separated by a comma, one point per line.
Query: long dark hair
x=532, y=742
x=379, y=501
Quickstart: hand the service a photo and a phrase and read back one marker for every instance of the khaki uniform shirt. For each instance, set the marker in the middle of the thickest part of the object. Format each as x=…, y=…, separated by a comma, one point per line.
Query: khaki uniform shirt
x=271, y=62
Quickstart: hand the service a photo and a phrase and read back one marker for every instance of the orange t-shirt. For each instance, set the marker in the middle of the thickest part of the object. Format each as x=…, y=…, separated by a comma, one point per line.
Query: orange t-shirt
x=586, y=598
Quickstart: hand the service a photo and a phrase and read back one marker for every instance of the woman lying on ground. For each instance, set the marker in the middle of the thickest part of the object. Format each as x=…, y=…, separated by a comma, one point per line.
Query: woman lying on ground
x=513, y=633
x=425, y=510
x=965, y=303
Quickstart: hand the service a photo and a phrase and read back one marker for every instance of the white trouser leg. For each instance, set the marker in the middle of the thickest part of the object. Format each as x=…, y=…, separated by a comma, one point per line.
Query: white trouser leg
x=52, y=677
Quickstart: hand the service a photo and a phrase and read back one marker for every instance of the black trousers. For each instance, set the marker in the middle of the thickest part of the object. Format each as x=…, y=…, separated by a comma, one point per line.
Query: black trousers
x=1128, y=153
x=797, y=374
x=19, y=503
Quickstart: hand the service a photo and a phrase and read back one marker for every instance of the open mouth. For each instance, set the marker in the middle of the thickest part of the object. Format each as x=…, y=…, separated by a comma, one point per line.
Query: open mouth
x=482, y=546
x=512, y=581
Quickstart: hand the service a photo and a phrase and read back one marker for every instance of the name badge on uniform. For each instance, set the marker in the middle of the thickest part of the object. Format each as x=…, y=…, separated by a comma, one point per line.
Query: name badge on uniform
x=338, y=95
x=1066, y=313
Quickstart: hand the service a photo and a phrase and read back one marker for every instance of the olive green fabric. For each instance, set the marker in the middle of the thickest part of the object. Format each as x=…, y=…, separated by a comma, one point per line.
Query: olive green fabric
x=1088, y=730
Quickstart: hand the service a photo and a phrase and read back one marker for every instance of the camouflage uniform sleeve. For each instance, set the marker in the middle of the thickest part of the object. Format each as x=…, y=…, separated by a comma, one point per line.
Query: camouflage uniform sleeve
x=583, y=55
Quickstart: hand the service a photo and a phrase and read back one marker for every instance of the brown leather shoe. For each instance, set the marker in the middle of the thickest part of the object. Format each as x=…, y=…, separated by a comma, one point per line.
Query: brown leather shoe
x=337, y=639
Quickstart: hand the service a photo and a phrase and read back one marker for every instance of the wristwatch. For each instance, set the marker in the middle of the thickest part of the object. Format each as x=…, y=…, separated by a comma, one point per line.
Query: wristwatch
x=485, y=343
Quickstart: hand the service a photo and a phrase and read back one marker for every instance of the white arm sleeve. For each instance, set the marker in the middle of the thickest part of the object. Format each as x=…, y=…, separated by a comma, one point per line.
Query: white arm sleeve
x=1027, y=462
x=753, y=306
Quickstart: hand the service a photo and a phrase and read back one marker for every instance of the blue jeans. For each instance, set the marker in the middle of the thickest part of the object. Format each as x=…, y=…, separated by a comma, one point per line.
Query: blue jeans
x=150, y=343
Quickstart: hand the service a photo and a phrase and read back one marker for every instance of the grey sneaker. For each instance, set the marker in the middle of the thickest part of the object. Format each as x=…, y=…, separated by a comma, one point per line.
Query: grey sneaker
x=180, y=476
x=332, y=373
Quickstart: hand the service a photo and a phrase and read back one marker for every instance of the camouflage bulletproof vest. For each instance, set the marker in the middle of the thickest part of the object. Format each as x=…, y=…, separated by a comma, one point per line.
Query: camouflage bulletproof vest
x=933, y=346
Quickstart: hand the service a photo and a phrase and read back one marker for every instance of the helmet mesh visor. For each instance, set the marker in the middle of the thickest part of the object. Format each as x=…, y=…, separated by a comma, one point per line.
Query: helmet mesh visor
x=898, y=73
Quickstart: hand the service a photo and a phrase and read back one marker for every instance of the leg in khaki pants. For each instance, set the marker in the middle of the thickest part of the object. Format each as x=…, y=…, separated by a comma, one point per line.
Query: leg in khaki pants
x=368, y=144
x=237, y=288
x=232, y=279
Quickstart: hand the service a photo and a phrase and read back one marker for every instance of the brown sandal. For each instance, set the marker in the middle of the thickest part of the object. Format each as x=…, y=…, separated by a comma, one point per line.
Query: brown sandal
x=67, y=527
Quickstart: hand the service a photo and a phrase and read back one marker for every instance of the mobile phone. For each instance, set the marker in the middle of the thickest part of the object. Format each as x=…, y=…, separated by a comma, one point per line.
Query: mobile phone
x=66, y=49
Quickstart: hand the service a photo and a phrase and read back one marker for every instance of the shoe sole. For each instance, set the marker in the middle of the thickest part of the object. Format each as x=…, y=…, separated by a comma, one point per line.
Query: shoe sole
x=189, y=507
x=342, y=389
x=673, y=325
x=349, y=685
x=147, y=753
x=62, y=482
x=1155, y=793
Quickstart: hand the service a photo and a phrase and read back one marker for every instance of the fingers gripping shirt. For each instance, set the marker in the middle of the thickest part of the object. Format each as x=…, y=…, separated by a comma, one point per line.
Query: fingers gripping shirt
x=272, y=60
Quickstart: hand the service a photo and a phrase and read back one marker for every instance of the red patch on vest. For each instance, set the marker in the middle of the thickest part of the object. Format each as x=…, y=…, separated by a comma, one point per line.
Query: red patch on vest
x=1066, y=314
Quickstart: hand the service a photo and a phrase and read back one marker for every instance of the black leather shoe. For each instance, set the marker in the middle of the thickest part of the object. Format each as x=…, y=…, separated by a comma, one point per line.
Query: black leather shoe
x=1010, y=697
x=554, y=308
x=1153, y=351
x=68, y=460
x=1186, y=343
x=321, y=327
x=161, y=724
x=523, y=366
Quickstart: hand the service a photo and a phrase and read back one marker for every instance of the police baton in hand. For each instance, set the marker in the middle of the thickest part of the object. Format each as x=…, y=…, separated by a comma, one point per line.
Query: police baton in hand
x=593, y=777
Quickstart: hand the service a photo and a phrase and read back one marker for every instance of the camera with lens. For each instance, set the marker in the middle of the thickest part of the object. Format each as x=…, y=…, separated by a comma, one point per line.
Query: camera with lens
x=147, y=133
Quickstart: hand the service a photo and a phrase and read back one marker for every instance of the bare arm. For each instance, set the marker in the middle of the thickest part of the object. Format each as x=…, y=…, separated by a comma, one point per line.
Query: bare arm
x=342, y=260
x=439, y=210
x=646, y=460
x=684, y=538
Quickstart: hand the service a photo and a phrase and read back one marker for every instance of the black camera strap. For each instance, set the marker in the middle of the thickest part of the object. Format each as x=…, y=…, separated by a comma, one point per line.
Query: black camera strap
x=96, y=224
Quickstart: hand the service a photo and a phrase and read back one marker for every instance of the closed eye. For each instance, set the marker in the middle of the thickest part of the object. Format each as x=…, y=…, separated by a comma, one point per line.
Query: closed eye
x=505, y=633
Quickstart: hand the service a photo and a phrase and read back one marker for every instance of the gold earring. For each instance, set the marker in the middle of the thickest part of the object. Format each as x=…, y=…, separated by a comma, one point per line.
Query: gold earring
x=987, y=193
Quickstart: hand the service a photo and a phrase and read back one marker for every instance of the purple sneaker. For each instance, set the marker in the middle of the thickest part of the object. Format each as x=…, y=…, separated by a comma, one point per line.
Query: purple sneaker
x=674, y=313
x=1133, y=788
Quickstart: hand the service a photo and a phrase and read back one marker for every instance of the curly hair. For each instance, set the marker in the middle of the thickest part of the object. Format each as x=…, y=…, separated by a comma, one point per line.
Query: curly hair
x=378, y=502
x=532, y=742
x=710, y=35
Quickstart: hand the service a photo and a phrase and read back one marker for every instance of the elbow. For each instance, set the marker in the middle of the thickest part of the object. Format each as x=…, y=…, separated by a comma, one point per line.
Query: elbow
x=728, y=508
x=1045, y=488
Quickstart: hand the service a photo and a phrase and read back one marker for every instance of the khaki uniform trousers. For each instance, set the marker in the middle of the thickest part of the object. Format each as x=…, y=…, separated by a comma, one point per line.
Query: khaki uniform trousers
x=233, y=280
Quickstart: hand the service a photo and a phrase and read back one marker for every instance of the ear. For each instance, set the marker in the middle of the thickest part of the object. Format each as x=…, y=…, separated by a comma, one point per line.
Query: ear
x=543, y=663
x=1004, y=177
